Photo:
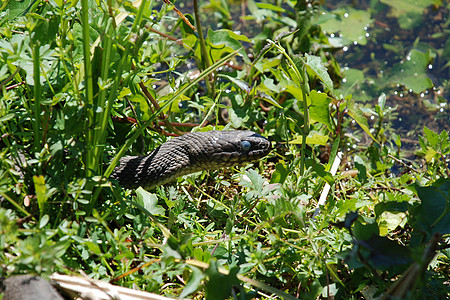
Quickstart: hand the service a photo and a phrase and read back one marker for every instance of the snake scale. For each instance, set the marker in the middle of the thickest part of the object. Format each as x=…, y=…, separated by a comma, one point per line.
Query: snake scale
x=189, y=153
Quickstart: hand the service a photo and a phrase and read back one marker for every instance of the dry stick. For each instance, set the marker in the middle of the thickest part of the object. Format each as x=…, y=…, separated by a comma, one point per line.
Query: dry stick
x=180, y=14
x=178, y=41
x=156, y=105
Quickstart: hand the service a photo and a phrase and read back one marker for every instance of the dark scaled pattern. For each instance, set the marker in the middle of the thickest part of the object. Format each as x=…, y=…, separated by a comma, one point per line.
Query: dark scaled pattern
x=192, y=152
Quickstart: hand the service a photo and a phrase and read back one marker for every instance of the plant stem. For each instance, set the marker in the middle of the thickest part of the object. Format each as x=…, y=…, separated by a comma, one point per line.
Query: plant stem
x=37, y=95
x=204, y=59
x=89, y=91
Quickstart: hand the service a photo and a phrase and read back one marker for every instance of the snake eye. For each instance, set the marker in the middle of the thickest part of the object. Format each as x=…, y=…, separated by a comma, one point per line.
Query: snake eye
x=245, y=145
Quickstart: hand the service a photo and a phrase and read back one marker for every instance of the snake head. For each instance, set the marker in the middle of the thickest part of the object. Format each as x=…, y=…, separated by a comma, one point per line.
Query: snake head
x=229, y=148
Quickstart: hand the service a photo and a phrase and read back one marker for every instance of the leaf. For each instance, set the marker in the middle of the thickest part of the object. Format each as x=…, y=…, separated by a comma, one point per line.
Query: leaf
x=17, y=8
x=149, y=201
x=315, y=64
x=93, y=247
x=193, y=283
x=230, y=40
x=314, y=138
x=320, y=170
x=390, y=221
x=44, y=221
x=239, y=83
x=362, y=171
x=432, y=137
x=351, y=85
x=41, y=191
x=219, y=285
x=350, y=23
x=385, y=252
x=412, y=72
x=280, y=174
x=356, y=113
x=363, y=232
x=409, y=13
x=319, y=108
x=433, y=215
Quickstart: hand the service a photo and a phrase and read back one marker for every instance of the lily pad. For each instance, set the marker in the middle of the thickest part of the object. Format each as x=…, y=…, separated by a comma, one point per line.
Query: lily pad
x=409, y=13
x=350, y=23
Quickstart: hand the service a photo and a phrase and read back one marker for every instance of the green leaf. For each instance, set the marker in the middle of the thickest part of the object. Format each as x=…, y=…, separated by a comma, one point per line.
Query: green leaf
x=219, y=285
x=194, y=282
x=320, y=170
x=433, y=215
x=41, y=191
x=17, y=8
x=362, y=171
x=350, y=23
x=315, y=64
x=93, y=247
x=149, y=201
x=229, y=39
x=280, y=174
x=409, y=13
x=389, y=221
x=364, y=231
x=412, y=72
x=353, y=78
x=319, y=108
x=239, y=83
x=43, y=221
x=314, y=138
x=432, y=137
x=385, y=252
x=356, y=113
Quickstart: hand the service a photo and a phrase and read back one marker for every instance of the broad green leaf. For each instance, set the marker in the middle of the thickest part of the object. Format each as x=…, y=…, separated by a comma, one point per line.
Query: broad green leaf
x=219, y=285
x=432, y=137
x=351, y=85
x=314, y=138
x=93, y=247
x=194, y=282
x=143, y=106
x=229, y=39
x=390, y=221
x=362, y=171
x=350, y=23
x=412, y=72
x=239, y=83
x=356, y=113
x=430, y=153
x=409, y=13
x=315, y=64
x=364, y=231
x=149, y=201
x=385, y=252
x=320, y=170
x=280, y=174
x=319, y=108
x=433, y=214
x=16, y=8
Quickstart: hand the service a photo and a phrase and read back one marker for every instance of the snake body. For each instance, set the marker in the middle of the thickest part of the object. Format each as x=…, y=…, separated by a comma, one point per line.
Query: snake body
x=192, y=152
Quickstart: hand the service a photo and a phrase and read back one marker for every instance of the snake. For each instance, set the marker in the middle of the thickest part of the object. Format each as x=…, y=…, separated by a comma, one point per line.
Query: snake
x=190, y=153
